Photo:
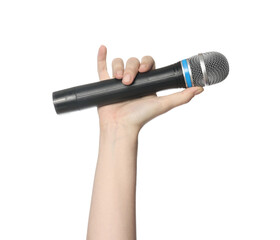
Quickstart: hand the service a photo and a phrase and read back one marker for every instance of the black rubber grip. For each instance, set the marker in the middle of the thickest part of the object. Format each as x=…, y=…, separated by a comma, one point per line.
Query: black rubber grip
x=113, y=90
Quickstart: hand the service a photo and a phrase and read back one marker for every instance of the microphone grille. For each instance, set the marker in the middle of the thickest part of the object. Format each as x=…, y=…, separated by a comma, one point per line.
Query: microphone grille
x=216, y=68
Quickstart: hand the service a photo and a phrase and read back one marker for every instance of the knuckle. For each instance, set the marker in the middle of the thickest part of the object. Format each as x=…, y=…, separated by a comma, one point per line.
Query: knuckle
x=117, y=60
x=133, y=60
x=117, y=68
x=129, y=71
x=148, y=59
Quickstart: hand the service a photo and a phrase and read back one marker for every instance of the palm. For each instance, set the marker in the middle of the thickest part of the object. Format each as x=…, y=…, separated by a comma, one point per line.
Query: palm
x=136, y=111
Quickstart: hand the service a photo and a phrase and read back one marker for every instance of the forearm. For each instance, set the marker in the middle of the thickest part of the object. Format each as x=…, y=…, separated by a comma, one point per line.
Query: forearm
x=112, y=214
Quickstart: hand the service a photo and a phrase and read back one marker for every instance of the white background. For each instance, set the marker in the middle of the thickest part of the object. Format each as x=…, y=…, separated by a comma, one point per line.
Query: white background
x=206, y=170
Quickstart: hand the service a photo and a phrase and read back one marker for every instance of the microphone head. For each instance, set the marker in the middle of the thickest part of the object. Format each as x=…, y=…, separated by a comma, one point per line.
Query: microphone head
x=208, y=68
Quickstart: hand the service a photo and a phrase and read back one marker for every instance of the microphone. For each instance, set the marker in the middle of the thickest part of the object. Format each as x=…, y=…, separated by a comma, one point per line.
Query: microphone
x=200, y=70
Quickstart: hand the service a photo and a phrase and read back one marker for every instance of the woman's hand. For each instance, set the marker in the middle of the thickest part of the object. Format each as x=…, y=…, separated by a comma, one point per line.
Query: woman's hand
x=133, y=114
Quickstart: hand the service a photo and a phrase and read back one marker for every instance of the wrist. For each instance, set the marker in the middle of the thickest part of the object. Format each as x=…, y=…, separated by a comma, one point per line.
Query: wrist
x=118, y=130
x=117, y=142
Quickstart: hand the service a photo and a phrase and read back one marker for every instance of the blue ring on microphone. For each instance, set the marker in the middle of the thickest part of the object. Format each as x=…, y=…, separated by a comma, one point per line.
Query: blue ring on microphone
x=187, y=73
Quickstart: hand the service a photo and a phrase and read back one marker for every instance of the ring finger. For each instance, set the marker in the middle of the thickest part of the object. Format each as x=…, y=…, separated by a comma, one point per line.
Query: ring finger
x=117, y=67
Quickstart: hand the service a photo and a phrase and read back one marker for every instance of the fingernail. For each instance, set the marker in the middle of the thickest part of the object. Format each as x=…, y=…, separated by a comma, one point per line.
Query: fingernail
x=198, y=91
x=119, y=73
x=126, y=78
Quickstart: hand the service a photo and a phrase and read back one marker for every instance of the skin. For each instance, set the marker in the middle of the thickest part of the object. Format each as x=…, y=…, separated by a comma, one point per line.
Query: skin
x=112, y=211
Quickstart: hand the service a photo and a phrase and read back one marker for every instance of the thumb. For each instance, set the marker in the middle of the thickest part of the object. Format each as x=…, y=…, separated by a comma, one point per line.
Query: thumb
x=176, y=99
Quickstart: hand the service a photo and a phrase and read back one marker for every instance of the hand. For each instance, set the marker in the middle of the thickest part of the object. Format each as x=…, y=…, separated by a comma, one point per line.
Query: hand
x=133, y=114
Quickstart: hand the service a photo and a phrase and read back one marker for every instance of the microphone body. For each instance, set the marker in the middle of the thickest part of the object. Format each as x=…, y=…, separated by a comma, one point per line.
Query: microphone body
x=113, y=90
x=199, y=70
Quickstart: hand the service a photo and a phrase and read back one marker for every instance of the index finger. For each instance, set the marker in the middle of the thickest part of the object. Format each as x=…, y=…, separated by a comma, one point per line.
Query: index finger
x=102, y=64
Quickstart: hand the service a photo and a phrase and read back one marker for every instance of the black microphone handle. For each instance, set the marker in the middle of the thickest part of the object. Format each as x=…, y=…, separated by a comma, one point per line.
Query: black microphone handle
x=113, y=90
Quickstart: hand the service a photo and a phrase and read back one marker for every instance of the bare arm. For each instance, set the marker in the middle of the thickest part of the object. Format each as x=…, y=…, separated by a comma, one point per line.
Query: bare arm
x=112, y=213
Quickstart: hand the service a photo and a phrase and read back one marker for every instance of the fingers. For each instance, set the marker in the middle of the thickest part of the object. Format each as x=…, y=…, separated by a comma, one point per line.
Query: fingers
x=101, y=63
x=177, y=99
x=131, y=69
x=117, y=67
x=147, y=64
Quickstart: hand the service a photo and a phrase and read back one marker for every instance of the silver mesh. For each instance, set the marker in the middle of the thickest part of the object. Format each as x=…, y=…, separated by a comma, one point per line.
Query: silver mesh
x=216, y=65
x=196, y=71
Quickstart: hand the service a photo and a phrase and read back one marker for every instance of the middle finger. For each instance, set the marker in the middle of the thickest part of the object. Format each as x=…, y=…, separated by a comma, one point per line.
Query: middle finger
x=131, y=69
